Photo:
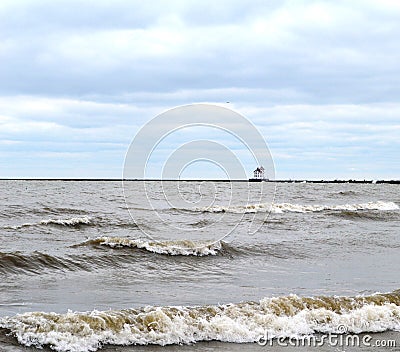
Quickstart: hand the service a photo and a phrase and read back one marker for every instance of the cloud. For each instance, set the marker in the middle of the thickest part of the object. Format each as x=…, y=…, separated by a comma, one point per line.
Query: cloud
x=321, y=79
x=325, y=50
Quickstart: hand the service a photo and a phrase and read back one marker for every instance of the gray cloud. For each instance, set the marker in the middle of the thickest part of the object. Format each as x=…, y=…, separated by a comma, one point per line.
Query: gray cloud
x=326, y=50
x=80, y=78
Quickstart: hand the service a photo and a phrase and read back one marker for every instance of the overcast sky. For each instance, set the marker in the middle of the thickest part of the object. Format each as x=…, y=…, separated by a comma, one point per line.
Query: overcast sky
x=319, y=79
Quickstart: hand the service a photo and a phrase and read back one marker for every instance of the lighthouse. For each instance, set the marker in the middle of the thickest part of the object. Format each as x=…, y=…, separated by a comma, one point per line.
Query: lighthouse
x=259, y=174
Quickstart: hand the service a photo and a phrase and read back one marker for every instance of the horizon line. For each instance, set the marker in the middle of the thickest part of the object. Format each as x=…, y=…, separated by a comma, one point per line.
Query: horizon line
x=392, y=181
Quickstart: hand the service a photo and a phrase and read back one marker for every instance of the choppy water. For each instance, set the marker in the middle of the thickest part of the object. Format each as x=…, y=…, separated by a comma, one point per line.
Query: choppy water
x=78, y=273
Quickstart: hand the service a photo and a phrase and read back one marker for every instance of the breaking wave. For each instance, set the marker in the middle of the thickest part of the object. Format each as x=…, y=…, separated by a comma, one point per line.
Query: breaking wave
x=297, y=208
x=286, y=316
x=182, y=247
x=73, y=222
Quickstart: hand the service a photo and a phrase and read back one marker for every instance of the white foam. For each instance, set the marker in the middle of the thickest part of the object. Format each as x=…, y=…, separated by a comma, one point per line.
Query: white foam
x=237, y=323
x=68, y=222
x=183, y=247
x=298, y=208
x=84, y=220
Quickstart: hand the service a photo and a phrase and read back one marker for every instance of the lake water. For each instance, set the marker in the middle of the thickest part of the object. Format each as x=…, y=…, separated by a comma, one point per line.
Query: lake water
x=89, y=265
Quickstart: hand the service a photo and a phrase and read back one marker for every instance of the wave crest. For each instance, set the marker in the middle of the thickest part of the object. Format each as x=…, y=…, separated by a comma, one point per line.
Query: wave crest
x=288, y=316
x=34, y=263
x=182, y=247
x=298, y=208
x=85, y=220
x=72, y=222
